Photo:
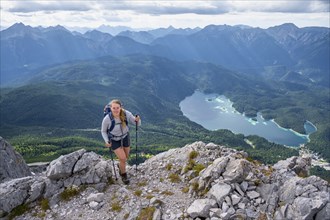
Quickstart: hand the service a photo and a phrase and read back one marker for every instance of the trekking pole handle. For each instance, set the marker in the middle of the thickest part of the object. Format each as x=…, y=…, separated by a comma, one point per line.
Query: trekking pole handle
x=136, y=122
x=109, y=142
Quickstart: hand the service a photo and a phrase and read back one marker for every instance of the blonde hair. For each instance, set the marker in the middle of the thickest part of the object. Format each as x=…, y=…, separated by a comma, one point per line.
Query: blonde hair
x=122, y=111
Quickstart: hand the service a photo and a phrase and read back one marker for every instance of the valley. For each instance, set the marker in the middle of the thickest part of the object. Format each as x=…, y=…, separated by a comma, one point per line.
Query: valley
x=46, y=107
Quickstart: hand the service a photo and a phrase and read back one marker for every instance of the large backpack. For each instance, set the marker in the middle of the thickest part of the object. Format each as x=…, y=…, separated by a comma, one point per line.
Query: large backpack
x=107, y=112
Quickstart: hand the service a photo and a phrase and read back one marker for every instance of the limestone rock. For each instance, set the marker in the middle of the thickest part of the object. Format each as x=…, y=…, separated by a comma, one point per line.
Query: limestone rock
x=219, y=191
x=63, y=166
x=201, y=207
x=237, y=170
x=12, y=164
x=14, y=193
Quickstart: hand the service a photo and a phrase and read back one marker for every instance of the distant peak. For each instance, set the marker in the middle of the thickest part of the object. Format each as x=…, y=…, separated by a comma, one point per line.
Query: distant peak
x=287, y=26
x=242, y=26
x=57, y=27
x=94, y=32
x=214, y=27
x=20, y=24
x=20, y=27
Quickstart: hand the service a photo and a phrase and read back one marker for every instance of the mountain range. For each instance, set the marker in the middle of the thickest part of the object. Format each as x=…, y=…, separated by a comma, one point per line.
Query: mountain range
x=63, y=79
x=270, y=53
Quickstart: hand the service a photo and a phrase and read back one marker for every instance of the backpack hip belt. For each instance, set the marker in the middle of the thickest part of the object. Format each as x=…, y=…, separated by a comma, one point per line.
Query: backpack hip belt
x=117, y=138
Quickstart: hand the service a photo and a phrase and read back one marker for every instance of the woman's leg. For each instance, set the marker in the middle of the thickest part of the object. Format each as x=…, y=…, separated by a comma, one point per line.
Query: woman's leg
x=122, y=156
x=127, y=150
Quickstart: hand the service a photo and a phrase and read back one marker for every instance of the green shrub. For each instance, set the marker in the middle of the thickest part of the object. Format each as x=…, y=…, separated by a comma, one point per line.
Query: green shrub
x=146, y=213
x=138, y=192
x=44, y=204
x=198, y=168
x=115, y=206
x=168, y=193
x=143, y=183
x=19, y=210
x=149, y=196
x=185, y=189
x=190, y=165
x=174, y=178
x=193, y=154
x=169, y=166
x=69, y=193
x=195, y=186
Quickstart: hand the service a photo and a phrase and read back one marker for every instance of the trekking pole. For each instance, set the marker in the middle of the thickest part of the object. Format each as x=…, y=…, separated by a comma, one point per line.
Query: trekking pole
x=113, y=163
x=136, y=141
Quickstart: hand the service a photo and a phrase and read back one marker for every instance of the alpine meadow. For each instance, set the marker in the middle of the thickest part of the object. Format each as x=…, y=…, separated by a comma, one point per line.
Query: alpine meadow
x=55, y=84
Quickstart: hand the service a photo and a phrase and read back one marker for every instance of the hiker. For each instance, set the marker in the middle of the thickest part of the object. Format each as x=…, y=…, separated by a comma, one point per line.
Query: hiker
x=115, y=133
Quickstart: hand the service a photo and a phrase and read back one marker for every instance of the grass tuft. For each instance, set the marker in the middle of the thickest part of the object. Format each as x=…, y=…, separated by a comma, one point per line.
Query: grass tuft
x=115, y=206
x=193, y=154
x=69, y=193
x=174, y=178
x=166, y=192
x=198, y=168
x=138, y=192
x=19, y=210
x=146, y=213
x=169, y=166
x=185, y=189
x=44, y=204
x=143, y=183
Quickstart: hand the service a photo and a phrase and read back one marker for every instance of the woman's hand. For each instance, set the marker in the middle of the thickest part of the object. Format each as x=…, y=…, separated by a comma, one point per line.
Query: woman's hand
x=108, y=144
x=137, y=118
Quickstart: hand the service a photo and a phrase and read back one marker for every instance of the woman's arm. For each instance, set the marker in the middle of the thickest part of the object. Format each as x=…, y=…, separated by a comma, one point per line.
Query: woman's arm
x=131, y=118
x=104, y=128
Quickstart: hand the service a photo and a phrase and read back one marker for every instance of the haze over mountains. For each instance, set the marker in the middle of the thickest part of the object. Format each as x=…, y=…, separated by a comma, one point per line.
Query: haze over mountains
x=283, y=52
x=63, y=79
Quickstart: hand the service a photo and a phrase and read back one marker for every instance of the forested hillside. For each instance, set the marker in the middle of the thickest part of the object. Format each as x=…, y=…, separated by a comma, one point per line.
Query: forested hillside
x=65, y=102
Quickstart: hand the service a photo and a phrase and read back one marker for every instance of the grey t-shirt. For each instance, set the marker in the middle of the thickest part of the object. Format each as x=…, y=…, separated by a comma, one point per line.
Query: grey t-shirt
x=118, y=131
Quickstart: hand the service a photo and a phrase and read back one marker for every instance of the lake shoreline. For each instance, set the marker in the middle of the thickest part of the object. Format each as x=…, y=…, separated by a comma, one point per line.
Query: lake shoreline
x=214, y=112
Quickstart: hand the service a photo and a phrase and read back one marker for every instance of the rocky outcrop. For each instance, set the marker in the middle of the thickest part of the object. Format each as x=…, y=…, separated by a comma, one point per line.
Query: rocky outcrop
x=197, y=181
x=254, y=191
x=12, y=164
x=72, y=170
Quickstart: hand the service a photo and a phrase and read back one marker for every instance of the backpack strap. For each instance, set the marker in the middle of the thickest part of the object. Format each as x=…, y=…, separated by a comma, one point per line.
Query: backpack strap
x=113, y=123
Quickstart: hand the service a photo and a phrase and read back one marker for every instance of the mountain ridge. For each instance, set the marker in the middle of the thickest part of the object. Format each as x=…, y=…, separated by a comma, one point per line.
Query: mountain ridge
x=248, y=50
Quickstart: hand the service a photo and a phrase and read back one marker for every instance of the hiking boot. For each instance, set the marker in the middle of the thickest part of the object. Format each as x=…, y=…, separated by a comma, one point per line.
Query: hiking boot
x=124, y=178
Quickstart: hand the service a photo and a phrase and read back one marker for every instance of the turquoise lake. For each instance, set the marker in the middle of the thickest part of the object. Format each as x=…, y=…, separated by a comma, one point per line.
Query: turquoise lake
x=214, y=112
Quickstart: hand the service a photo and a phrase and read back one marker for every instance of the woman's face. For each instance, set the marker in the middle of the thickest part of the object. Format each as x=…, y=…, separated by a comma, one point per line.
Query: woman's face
x=115, y=109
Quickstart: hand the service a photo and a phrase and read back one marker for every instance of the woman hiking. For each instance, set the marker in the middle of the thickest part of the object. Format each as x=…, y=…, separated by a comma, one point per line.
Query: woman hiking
x=115, y=133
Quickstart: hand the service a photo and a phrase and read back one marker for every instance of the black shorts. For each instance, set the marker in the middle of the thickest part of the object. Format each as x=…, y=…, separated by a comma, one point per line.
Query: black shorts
x=125, y=142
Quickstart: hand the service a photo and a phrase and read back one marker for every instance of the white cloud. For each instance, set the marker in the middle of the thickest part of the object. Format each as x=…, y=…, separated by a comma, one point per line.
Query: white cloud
x=174, y=6
x=281, y=6
x=36, y=6
x=162, y=13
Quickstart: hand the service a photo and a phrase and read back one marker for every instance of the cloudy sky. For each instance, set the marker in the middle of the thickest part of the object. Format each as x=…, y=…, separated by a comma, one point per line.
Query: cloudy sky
x=162, y=13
